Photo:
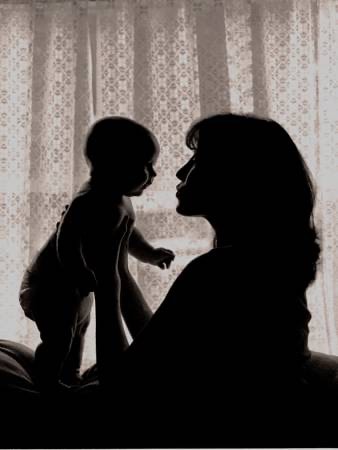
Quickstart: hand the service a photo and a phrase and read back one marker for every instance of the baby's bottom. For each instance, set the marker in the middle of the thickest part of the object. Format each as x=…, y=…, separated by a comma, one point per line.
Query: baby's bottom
x=62, y=328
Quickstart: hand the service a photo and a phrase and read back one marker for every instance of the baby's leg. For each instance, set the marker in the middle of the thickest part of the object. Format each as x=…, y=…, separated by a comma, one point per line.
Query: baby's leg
x=71, y=369
x=56, y=319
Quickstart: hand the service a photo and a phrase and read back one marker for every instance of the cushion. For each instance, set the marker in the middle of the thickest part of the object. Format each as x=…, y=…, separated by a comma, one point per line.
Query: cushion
x=16, y=368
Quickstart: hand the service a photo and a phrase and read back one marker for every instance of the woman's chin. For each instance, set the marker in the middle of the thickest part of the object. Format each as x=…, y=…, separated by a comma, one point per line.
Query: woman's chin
x=190, y=210
x=180, y=209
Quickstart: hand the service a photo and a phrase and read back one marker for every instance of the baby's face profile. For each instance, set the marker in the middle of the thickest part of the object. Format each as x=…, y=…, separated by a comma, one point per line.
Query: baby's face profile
x=140, y=173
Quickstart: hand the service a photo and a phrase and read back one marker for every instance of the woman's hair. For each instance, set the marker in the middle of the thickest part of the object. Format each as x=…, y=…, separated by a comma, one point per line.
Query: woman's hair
x=254, y=164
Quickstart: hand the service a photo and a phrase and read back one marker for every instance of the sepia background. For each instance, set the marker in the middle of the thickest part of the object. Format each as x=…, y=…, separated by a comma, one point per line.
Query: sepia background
x=64, y=64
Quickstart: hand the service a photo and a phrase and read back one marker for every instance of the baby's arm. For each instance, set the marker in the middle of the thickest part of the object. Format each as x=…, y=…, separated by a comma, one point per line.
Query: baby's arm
x=70, y=247
x=139, y=247
x=145, y=252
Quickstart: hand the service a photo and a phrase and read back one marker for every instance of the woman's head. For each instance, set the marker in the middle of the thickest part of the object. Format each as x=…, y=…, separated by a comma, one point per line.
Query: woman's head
x=247, y=177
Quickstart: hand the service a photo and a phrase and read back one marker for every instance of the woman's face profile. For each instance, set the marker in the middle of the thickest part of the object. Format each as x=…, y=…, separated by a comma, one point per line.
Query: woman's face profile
x=192, y=193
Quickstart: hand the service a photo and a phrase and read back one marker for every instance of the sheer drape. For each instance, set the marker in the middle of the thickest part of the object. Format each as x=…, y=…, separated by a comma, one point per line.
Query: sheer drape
x=164, y=63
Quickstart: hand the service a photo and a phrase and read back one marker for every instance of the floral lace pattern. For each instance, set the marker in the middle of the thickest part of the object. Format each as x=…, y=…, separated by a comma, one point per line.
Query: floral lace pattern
x=164, y=63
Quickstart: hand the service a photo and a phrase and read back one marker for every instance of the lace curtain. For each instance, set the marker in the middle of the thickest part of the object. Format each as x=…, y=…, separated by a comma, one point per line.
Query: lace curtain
x=163, y=62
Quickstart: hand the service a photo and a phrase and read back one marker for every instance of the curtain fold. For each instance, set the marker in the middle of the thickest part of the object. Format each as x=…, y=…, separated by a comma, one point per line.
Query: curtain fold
x=15, y=140
x=65, y=63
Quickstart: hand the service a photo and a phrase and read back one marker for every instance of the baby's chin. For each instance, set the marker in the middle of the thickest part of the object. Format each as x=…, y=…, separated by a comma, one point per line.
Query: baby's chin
x=136, y=192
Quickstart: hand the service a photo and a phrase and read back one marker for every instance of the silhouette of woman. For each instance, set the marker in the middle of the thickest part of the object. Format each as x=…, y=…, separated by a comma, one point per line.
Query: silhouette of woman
x=233, y=329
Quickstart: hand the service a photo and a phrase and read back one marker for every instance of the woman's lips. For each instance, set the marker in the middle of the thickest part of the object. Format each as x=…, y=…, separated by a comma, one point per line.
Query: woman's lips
x=179, y=193
x=179, y=187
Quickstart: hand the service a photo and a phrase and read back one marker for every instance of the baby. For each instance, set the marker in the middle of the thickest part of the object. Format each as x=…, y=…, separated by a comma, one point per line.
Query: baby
x=56, y=291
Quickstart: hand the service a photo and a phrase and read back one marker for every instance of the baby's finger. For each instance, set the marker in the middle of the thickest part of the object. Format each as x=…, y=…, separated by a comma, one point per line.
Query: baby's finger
x=168, y=263
x=169, y=258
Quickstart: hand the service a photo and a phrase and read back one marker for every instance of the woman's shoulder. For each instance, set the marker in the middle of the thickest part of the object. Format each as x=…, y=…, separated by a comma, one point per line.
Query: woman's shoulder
x=212, y=268
x=216, y=258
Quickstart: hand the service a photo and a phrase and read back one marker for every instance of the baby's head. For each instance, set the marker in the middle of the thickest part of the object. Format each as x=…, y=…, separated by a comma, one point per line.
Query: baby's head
x=121, y=154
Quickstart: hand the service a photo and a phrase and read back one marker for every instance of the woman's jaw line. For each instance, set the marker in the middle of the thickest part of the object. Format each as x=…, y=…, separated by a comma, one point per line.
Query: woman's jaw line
x=221, y=227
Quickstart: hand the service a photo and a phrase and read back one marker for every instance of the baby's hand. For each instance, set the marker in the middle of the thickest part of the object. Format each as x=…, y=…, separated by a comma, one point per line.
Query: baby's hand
x=162, y=257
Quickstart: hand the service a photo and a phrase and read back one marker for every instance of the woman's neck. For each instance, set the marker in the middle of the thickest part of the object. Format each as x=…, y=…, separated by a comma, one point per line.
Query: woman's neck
x=222, y=242
x=223, y=233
